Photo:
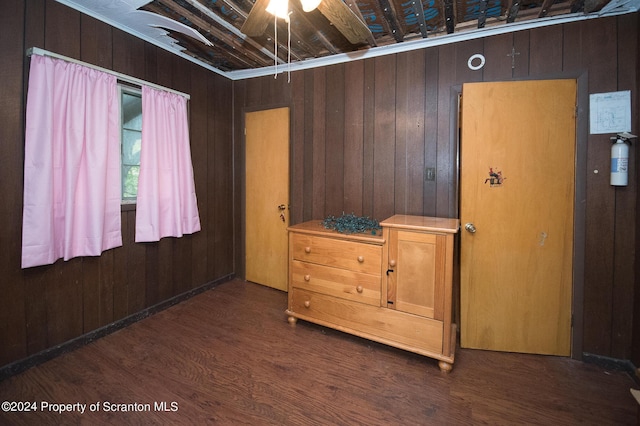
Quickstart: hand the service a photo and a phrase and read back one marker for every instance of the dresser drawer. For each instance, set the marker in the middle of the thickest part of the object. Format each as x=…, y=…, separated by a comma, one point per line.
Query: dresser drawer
x=356, y=256
x=406, y=331
x=356, y=286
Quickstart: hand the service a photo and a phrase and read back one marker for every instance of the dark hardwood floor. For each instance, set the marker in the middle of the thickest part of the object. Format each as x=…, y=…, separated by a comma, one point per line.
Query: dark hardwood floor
x=228, y=356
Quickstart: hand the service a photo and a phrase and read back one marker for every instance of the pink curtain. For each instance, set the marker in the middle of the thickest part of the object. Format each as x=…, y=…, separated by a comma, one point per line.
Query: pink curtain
x=72, y=163
x=166, y=204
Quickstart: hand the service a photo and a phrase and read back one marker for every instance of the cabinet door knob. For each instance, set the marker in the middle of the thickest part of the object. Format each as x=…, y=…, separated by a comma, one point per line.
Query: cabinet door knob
x=307, y=303
x=360, y=259
x=307, y=277
x=359, y=289
x=392, y=263
x=307, y=249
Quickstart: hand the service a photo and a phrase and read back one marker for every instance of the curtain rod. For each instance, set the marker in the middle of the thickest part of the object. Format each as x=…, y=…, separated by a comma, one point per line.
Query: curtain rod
x=122, y=77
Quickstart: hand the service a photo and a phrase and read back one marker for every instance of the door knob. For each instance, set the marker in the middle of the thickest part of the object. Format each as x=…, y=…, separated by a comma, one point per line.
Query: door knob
x=470, y=227
x=282, y=207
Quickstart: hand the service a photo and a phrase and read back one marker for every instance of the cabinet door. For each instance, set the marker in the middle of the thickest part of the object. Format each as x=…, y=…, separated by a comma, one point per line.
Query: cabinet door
x=415, y=276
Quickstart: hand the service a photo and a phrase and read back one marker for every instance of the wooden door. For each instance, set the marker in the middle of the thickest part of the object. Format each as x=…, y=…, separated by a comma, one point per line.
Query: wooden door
x=517, y=194
x=267, y=197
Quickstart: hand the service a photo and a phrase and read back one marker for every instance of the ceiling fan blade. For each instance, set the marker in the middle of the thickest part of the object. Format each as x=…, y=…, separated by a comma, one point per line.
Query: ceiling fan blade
x=258, y=19
x=345, y=21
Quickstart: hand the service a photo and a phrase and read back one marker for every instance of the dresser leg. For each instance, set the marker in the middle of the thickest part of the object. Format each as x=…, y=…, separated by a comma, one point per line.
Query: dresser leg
x=292, y=320
x=445, y=367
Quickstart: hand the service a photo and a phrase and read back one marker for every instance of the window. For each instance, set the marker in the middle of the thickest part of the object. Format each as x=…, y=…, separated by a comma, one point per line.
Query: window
x=74, y=225
x=130, y=141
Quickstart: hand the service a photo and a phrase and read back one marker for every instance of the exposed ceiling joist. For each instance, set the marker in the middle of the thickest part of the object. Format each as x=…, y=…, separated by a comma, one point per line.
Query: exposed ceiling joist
x=220, y=34
x=418, y=9
x=343, y=18
x=389, y=12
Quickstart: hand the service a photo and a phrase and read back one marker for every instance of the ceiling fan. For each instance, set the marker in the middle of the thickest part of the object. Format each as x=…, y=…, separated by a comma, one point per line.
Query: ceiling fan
x=336, y=11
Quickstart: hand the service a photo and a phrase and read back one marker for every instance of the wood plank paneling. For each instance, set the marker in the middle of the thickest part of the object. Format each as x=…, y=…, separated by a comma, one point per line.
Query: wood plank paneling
x=404, y=124
x=522, y=45
x=545, y=57
x=497, y=64
x=62, y=39
x=353, y=136
x=410, y=143
x=35, y=279
x=221, y=178
x=600, y=207
x=165, y=284
x=91, y=297
x=96, y=47
x=34, y=18
x=121, y=284
x=35, y=317
x=63, y=294
x=318, y=167
x=384, y=141
x=447, y=203
x=13, y=329
x=129, y=56
x=446, y=80
x=624, y=279
x=297, y=148
x=253, y=92
x=213, y=231
x=432, y=71
x=369, y=131
x=307, y=184
x=334, y=136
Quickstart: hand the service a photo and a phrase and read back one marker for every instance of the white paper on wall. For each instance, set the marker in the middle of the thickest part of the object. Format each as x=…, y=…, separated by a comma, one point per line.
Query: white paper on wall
x=610, y=112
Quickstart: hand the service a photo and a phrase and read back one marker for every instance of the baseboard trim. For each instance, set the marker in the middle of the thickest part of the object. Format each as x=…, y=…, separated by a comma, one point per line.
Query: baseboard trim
x=613, y=364
x=48, y=354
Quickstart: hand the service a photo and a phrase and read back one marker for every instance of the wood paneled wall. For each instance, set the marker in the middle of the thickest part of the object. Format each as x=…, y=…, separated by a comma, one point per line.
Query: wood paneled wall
x=364, y=132
x=46, y=306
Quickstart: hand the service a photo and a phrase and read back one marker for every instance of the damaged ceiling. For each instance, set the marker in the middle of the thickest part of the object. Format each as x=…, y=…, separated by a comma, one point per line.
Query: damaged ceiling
x=221, y=35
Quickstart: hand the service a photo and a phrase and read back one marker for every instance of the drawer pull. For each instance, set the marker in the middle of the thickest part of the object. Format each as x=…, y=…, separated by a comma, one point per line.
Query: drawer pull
x=360, y=259
x=307, y=303
x=392, y=263
x=307, y=249
x=359, y=289
x=307, y=277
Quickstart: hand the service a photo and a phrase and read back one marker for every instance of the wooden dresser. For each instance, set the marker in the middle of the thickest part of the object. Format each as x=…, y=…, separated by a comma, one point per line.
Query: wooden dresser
x=394, y=288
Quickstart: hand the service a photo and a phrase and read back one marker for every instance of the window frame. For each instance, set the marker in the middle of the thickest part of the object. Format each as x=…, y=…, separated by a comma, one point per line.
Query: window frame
x=126, y=203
